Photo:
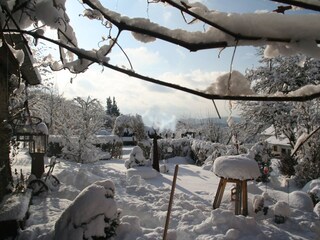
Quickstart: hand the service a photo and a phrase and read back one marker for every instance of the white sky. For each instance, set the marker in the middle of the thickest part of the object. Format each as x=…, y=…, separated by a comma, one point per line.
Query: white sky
x=159, y=106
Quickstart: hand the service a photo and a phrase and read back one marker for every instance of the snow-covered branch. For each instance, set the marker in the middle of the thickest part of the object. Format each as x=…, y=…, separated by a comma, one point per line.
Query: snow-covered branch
x=225, y=29
x=307, y=4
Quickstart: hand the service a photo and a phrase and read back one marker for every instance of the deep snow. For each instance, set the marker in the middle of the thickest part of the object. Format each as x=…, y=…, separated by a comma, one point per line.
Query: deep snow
x=144, y=202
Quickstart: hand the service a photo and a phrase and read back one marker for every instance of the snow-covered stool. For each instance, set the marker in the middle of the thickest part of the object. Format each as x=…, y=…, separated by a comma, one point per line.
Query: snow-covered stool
x=235, y=169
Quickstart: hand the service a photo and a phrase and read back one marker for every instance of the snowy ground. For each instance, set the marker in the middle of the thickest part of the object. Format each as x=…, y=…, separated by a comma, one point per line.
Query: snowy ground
x=144, y=204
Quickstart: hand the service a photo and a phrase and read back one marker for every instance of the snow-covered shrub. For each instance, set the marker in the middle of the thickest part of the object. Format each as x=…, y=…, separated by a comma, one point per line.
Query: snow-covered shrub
x=204, y=153
x=308, y=167
x=262, y=154
x=54, y=146
x=300, y=200
x=79, y=150
x=313, y=189
x=287, y=165
x=217, y=151
x=281, y=211
x=110, y=143
x=92, y=215
x=136, y=158
x=169, y=148
x=145, y=145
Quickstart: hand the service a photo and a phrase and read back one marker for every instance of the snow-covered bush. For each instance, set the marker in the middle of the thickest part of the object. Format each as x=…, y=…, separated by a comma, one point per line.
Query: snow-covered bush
x=80, y=150
x=204, y=153
x=110, y=144
x=308, y=167
x=92, y=215
x=136, y=158
x=313, y=189
x=300, y=200
x=145, y=145
x=54, y=146
x=168, y=148
x=287, y=165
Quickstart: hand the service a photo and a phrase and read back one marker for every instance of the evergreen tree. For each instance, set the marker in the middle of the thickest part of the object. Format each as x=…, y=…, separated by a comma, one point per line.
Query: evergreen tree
x=109, y=106
x=114, y=108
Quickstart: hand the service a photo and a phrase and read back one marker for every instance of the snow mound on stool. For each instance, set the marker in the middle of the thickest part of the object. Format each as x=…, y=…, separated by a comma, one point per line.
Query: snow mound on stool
x=143, y=171
x=236, y=167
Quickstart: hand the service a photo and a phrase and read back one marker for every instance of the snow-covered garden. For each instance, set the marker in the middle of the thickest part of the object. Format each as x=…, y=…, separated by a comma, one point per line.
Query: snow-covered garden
x=101, y=188
x=103, y=195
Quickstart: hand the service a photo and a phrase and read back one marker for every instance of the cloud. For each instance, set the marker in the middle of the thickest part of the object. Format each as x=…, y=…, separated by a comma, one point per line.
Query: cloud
x=141, y=58
x=158, y=105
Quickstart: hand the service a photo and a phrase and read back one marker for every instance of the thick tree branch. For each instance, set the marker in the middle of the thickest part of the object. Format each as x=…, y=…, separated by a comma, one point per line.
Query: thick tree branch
x=301, y=4
x=123, y=24
x=84, y=55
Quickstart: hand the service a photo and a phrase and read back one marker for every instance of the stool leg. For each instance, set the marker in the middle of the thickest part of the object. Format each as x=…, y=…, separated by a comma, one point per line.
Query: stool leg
x=219, y=193
x=244, y=198
x=237, y=209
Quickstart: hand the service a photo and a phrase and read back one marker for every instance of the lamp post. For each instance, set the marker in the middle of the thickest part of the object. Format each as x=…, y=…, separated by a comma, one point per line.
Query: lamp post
x=38, y=148
x=35, y=132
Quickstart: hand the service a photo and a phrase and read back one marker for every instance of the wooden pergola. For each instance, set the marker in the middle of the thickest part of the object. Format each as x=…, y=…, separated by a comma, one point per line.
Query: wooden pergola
x=8, y=66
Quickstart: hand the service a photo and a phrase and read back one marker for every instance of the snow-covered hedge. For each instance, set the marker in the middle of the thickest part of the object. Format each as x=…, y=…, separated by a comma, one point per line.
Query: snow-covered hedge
x=201, y=150
x=110, y=145
x=174, y=147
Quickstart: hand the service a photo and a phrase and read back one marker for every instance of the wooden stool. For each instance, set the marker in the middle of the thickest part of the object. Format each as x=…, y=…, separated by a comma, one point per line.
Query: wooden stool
x=241, y=195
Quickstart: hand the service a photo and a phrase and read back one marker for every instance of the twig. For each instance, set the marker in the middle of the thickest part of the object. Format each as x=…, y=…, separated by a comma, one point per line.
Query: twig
x=215, y=106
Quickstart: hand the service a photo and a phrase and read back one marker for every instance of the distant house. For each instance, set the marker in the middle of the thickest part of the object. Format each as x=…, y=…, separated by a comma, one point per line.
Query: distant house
x=279, y=145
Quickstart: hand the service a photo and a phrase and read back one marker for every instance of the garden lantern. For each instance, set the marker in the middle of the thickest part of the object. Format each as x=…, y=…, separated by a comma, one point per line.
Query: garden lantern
x=34, y=131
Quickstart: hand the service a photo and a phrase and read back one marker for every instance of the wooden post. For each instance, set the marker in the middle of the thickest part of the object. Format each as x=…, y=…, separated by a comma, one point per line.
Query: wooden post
x=155, y=160
x=170, y=202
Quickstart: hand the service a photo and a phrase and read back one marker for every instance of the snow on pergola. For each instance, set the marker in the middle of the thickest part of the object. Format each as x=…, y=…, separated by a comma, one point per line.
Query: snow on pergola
x=281, y=34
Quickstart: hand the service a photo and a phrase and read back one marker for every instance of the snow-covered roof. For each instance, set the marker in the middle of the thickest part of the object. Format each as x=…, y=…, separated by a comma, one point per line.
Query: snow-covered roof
x=280, y=140
x=268, y=132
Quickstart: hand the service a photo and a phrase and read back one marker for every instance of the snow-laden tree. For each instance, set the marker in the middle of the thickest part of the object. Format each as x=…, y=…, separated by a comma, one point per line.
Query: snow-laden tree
x=290, y=119
x=132, y=125
x=46, y=104
x=80, y=121
x=280, y=76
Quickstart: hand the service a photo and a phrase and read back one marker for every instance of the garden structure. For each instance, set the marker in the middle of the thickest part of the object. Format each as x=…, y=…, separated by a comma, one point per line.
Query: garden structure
x=236, y=169
x=9, y=66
